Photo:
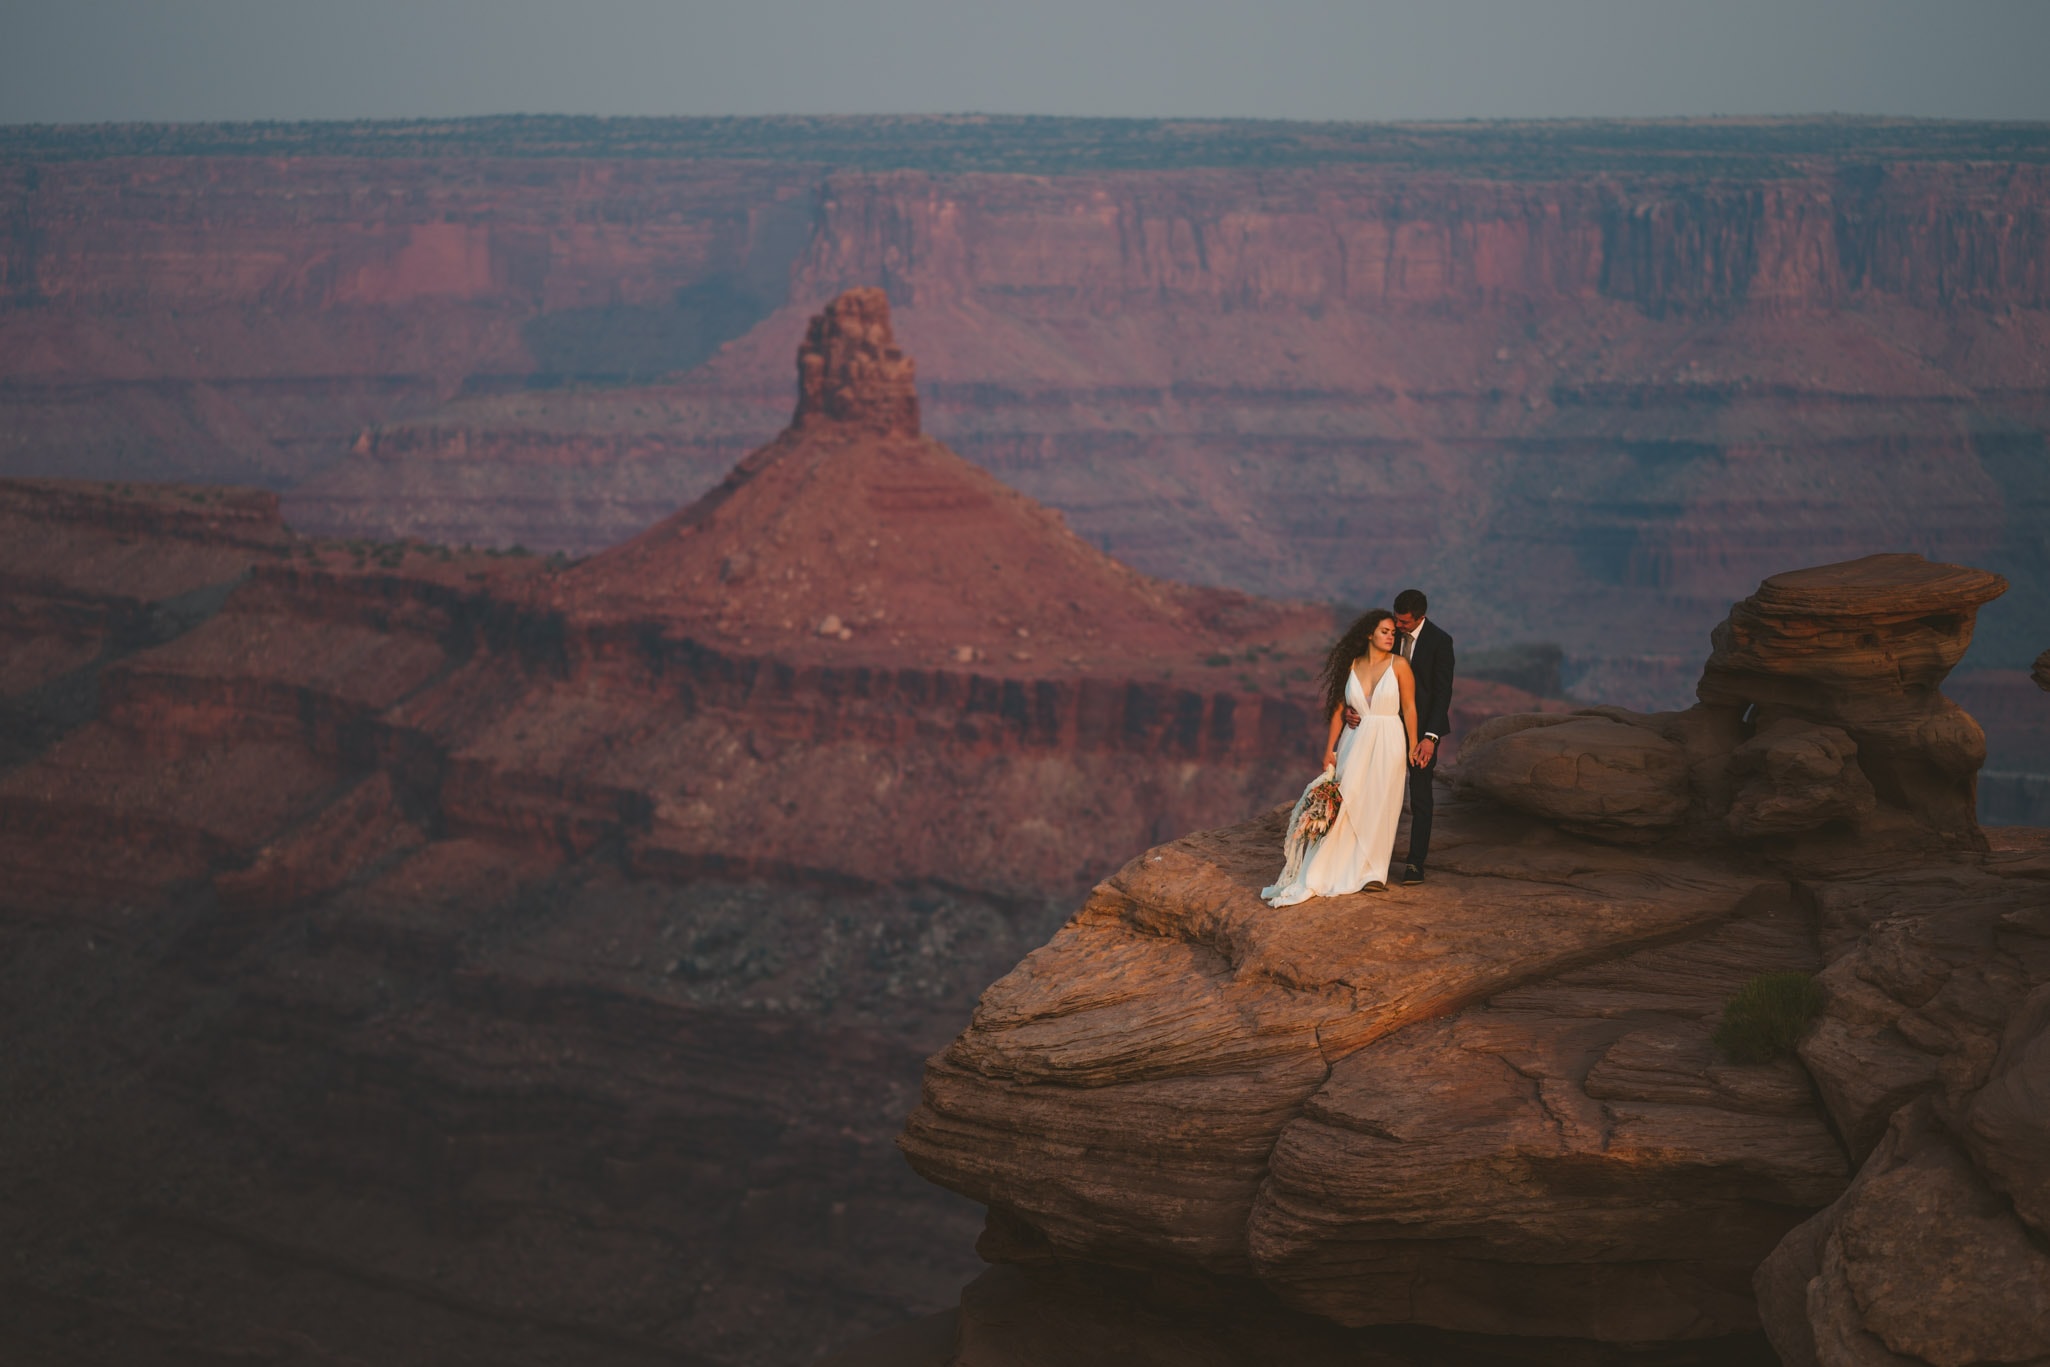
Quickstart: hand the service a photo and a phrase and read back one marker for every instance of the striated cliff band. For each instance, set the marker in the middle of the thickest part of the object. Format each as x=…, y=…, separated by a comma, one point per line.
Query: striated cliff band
x=1611, y=374
x=1490, y=1118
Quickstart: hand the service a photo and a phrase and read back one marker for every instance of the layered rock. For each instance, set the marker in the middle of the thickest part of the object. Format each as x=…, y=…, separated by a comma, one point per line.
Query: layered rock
x=1863, y=646
x=1613, y=372
x=855, y=612
x=1494, y=1103
x=1820, y=709
x=853, y=538
x=1931, y=1057
x=1489, y=1106
x=1835, y=671
x=90, y=573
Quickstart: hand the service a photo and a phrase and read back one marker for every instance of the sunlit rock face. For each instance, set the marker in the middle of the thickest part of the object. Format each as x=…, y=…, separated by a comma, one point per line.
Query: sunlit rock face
x=1492, y=1103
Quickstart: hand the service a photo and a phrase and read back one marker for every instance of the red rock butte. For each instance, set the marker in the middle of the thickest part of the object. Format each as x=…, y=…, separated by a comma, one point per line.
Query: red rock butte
x=854, y=535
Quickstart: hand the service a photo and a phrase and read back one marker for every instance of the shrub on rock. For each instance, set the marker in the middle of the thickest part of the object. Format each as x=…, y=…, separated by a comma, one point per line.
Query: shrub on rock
x=1767, y=1017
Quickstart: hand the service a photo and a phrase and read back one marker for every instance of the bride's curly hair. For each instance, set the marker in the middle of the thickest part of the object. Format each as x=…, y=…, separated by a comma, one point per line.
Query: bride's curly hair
x=1352, y=645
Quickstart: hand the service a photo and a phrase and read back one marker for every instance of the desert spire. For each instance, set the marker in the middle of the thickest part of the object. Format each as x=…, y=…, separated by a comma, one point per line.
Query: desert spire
x=850, y=369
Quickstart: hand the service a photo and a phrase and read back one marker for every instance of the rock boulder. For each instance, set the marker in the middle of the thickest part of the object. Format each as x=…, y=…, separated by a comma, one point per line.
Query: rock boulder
x=1592, y=775
x=1819, y=715
x=1863, y=646
x=1920, y=1264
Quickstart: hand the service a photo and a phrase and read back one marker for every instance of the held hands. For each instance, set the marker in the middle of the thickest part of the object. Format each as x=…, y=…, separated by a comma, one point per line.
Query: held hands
x=1423, y=752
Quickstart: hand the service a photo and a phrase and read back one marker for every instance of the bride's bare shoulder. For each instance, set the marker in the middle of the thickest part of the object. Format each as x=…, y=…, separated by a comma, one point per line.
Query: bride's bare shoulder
x=1401, y=667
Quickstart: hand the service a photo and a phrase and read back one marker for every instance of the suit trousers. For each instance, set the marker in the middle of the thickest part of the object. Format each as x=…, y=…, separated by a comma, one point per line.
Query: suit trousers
x=1420, y=776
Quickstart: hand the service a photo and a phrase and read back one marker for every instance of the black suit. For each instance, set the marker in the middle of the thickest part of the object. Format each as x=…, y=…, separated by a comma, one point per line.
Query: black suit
x=1431, y=664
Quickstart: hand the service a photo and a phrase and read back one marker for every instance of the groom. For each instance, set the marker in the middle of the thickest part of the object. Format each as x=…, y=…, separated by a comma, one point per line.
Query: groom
x=1429, y=651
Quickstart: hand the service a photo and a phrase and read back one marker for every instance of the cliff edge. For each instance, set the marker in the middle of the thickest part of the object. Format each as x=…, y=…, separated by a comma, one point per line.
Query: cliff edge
x=1494, y=1105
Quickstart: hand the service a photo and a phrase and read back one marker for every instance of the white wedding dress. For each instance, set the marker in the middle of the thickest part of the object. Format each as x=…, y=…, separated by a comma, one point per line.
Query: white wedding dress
x=1373, y=768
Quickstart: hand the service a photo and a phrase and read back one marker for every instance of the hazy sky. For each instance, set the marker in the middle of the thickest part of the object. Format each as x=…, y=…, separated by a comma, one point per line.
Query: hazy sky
x=91, y=60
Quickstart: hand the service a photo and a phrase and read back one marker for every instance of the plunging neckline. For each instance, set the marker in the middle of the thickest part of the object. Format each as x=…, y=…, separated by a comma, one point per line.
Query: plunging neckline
x=1366, y=689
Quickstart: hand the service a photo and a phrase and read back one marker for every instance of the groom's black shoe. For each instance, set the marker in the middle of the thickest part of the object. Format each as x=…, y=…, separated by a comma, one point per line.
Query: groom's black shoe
x=1412, y=875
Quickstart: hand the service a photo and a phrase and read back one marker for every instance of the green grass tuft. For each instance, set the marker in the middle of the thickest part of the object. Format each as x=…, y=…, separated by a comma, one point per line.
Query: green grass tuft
x=1767, y=1017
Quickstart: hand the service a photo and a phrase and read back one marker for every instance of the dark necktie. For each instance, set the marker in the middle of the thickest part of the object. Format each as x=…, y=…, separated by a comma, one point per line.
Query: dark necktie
x=1408, y=646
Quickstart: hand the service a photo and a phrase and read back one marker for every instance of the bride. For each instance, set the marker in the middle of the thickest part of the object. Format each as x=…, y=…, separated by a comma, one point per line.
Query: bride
x=1371, y=761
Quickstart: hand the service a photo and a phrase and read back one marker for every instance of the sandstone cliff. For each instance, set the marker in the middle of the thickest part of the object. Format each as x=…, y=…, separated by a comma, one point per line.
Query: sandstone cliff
x=1612, y=374
x=1493, y=1104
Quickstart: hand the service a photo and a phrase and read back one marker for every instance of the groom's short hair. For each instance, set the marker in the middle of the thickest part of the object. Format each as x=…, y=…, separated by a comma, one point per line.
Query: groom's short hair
x=1411, y=603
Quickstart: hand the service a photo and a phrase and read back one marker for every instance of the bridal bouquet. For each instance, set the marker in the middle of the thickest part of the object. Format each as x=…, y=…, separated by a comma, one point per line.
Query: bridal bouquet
x=1315, y=812
x=1317, y=809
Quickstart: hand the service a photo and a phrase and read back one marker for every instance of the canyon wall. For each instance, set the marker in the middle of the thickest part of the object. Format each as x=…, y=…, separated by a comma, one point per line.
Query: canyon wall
x=1588, y=383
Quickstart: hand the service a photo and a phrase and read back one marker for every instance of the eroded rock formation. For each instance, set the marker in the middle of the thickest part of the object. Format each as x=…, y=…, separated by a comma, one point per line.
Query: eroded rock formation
x=1613, y=372
x=854, y=540
x=850, y=369
x=90, y=573
x=977, y=652
x=1820, y=709
x=1933, y=1059
x=1493, y=1103
x=1863, y=646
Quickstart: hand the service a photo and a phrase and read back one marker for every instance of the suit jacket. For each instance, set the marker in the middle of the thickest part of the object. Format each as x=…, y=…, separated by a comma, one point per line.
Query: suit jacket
x=1432, y=667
